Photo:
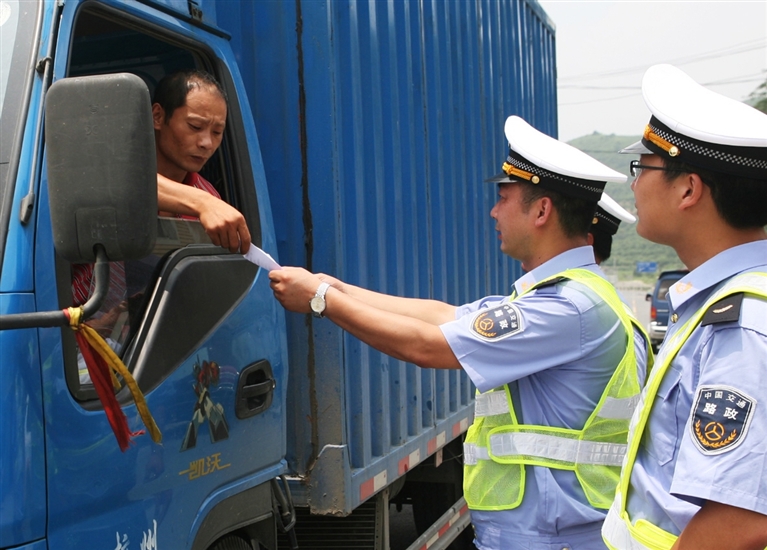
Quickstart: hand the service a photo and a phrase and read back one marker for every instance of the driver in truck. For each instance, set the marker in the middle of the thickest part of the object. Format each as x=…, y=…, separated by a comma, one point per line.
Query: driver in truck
x=189, y=114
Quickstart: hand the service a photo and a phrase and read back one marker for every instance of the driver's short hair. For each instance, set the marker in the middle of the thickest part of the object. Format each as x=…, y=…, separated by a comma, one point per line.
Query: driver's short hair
x=172, y=90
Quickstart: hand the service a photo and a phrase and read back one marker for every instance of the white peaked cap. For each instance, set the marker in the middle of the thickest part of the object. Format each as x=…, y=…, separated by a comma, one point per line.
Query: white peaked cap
x=540, y=159
x=611, y=206
x=697, y=126
x=610, y=214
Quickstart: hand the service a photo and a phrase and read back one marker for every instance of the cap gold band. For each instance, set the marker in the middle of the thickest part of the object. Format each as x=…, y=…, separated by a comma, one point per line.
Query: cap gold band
x=514, y=171
x=652, y=137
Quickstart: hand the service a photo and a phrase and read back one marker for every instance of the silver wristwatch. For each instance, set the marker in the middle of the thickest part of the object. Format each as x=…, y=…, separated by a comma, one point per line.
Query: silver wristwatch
x=318, y=302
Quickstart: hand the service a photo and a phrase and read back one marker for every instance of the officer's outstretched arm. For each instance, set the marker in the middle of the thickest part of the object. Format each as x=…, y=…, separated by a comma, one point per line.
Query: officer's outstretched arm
x=430, y=311
x=400, y=336
x=718, y=526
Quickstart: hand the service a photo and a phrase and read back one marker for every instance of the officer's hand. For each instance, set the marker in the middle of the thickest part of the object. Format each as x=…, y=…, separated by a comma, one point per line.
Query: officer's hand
x=294, y=287
x=338, y=284
x=225, y=225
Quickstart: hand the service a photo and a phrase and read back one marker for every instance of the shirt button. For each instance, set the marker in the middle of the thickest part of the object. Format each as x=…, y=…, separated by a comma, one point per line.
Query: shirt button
x=674, y=318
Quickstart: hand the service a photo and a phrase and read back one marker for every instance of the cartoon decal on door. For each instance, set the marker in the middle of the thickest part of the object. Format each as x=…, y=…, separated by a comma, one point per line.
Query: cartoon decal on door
x=205, y=409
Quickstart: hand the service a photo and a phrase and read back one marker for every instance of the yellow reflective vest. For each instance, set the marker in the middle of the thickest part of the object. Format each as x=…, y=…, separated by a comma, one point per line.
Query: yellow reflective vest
x=497, y=447
x=618, y=531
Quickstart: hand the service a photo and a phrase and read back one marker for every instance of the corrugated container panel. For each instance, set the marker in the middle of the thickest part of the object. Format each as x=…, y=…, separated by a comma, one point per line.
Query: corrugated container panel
x=378, y=122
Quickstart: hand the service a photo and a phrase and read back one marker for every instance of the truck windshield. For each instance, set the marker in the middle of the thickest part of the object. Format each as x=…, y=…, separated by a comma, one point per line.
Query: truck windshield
x=17, y=35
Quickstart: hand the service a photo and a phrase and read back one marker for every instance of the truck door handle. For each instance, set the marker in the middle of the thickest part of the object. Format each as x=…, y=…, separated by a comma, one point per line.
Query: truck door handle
x=255, y=389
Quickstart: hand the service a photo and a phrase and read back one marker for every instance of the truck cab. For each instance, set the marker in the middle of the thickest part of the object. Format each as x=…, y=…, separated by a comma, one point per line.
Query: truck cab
x=198, y=330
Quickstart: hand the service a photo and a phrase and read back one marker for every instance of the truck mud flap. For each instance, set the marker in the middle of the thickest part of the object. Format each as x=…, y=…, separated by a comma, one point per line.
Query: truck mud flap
x=445, y=529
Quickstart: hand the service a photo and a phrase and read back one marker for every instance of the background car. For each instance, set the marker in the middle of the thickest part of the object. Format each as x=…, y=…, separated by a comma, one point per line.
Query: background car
x=659, y=305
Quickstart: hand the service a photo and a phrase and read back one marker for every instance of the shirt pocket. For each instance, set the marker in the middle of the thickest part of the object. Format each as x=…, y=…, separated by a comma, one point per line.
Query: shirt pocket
x=663, y=430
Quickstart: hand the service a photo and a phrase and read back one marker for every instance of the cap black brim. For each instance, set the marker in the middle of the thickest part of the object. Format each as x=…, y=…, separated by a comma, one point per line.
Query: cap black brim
x=503, y=177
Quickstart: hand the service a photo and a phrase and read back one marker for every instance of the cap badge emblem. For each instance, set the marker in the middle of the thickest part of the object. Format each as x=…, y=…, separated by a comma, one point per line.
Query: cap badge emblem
x=652, y=137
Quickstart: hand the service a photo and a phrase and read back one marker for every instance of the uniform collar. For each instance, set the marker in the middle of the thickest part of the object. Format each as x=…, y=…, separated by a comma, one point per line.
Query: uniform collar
x=583, y=256
x=722, y=266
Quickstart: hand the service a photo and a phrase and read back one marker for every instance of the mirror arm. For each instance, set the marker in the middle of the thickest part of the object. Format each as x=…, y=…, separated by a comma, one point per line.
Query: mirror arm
x=58, y=318
x=101, y=274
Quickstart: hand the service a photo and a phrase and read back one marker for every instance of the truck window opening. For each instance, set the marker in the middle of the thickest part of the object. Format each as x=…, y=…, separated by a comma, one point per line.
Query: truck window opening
x=101, y=45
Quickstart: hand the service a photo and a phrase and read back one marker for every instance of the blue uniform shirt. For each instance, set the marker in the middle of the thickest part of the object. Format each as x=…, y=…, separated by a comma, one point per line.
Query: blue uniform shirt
x=676, y=470
x=557, y=364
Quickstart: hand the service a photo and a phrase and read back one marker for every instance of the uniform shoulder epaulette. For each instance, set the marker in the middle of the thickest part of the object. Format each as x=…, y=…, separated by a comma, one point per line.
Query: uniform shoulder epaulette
x=549, y=283
x=725, y=310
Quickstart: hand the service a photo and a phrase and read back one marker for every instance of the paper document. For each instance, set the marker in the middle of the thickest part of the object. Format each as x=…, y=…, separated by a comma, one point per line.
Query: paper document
x=261, y=258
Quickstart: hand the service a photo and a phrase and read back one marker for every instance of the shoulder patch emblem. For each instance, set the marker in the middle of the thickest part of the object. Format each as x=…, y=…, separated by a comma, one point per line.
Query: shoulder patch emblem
x=720, y=418
x=497, y=323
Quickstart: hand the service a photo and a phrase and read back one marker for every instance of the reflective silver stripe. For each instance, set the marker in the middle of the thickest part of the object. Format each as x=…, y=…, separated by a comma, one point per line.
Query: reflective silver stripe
x=491, y=403
x=619, y=409
x=616, y=532
x=752, y=279
x=574, y=451
x=472, y=453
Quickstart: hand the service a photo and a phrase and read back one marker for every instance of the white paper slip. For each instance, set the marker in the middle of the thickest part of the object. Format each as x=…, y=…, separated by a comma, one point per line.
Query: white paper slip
x=260, y=258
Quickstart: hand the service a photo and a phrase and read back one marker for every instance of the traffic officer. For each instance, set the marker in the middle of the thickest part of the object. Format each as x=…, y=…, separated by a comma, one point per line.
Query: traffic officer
x=694, y=475
x=559, y=362
x=607, y=219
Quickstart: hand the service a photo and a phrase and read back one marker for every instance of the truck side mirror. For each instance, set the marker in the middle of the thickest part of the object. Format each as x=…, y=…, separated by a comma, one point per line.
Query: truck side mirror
x=102, y=167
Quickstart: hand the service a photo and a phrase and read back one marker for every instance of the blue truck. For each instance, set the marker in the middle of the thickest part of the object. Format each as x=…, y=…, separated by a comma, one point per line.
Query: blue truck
x=357, y=139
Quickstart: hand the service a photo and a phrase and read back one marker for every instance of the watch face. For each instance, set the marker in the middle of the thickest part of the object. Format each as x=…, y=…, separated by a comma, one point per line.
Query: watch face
x=317, y=304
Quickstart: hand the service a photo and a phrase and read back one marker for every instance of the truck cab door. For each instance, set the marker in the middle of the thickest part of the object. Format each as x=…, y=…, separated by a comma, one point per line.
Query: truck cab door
x=196, y=325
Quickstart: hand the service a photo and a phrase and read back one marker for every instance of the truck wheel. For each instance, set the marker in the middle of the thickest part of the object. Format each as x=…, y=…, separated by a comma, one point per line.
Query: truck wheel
x=231, y=543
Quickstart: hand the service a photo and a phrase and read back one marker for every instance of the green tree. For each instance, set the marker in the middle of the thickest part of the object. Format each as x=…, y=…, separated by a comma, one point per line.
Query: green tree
x=758, y=98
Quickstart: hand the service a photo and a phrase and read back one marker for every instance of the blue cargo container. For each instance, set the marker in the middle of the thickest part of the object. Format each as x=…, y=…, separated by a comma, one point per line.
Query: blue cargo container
x=358, y=138
x=378, y=123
